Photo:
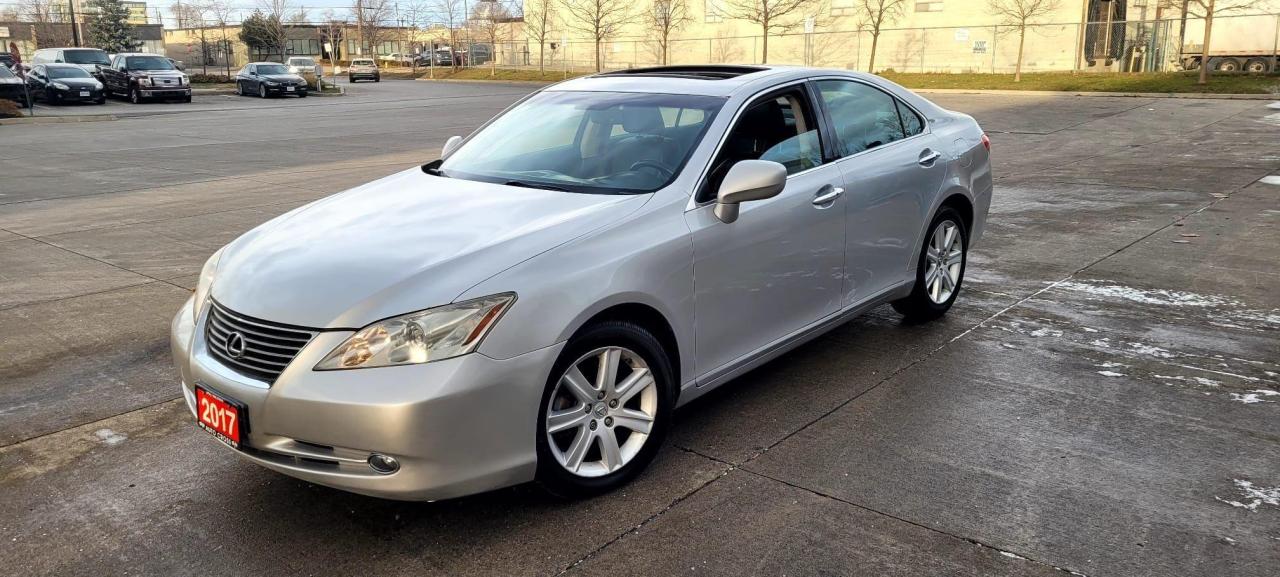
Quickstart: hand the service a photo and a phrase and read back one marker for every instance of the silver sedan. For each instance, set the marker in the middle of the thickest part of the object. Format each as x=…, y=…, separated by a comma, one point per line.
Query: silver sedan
x=534, y=305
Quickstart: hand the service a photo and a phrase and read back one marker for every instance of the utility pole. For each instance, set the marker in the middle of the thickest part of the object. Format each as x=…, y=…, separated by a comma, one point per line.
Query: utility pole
x=1084, y=23
x=75, y=29
x=360, y=27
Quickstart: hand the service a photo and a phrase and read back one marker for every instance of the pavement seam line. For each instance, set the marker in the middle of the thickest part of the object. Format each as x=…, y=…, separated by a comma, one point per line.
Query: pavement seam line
x=1004, y=552
x=651, y=518
x=88, y=294
x=14, y=445
x=95, y=259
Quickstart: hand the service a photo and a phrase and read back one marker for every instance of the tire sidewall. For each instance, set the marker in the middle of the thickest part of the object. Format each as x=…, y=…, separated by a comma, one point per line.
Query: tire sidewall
x=551, y=474
x=920, y=293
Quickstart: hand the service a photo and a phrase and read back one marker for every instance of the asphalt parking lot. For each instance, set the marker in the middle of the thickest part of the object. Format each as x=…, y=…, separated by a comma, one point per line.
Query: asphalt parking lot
x=1104, y=399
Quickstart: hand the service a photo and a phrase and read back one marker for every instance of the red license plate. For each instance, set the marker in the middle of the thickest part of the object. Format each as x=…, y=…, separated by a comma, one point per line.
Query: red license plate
x=221, y=417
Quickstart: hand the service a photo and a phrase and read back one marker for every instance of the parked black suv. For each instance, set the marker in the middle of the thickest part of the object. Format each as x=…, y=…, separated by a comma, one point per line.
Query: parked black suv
x=143, y=76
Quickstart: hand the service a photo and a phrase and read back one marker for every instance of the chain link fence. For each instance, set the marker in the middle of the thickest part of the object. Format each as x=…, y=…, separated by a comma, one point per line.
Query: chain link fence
x=1249, y=43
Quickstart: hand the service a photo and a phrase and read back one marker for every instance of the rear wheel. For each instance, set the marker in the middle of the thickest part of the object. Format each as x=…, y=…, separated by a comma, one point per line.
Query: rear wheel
x=940, y=270
x=1257, y=66
x=605, y=410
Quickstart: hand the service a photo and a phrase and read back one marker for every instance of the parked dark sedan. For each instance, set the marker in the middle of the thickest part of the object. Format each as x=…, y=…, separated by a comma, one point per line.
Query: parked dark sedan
x=269, y=79
x=58, y=83
x=11, y=87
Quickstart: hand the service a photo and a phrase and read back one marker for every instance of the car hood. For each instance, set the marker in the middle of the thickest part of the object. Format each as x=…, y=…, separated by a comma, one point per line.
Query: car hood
x=404, y=243
x=76, y=82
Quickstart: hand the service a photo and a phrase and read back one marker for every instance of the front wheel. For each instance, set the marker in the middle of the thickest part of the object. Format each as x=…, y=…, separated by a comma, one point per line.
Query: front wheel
x=940, y=270
x=605, y=410
x=135, y=95
x=262, y=91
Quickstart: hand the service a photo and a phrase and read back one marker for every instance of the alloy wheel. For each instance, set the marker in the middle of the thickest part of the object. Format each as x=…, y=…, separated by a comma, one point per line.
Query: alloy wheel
x=945, y=258
x=596, y=426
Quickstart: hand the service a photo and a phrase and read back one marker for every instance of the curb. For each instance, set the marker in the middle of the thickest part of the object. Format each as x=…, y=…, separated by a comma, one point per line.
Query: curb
x=1191, y=95
x=58, y=119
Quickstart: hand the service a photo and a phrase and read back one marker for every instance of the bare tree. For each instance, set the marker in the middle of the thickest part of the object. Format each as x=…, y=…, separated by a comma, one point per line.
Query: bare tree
x=277, y=11
x=876, y=14
x=451, y=12
x=666, y=18
x=1018, y=13
x=491, y=21
x=221, y=11
x=725, y=49
x=49, y=24
x=299, y=16
x=773, y=16
x=1208, y=10
x=189, y=14
x=600, y=20
x=373, y=17
x=539, y=17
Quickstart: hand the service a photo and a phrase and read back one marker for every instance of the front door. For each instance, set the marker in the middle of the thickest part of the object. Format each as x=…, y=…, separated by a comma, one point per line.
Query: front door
x=892, y=169
x=779, y=267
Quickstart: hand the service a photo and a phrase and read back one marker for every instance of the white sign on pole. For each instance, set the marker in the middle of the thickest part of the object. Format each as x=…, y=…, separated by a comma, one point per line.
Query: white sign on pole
x=4, y=31
x=808, y=25
x=962, y=34
x=328, y=47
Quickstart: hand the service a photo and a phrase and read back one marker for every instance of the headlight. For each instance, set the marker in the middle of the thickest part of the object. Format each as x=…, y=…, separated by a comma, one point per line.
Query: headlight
x=61, y=86
x=97, y=86
x=206, y=280
x=182, y=81
x=431, y=335
x=144, y=81
x=270, y=83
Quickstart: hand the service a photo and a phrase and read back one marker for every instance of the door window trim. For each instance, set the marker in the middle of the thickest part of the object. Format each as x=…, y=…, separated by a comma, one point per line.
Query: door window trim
x=757, y=98
x=927, y=127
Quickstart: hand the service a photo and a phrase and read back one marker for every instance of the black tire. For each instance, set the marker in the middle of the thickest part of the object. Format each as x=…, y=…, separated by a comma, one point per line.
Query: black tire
x=135, y=95
x=919, y=306
x=262, y=91
x=187, y=99
x=351, y=79
x=1224, y=64
x=101, y=100
x=1257, y=65
x=554, y=477
x=377, y=78
x=302, y=95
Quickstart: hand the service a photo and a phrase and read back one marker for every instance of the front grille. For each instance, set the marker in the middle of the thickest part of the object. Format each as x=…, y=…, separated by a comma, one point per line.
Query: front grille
x=268, y=347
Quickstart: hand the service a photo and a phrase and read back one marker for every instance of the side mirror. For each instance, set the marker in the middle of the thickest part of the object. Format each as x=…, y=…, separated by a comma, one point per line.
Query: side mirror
x=748, y=180
x=450, y=145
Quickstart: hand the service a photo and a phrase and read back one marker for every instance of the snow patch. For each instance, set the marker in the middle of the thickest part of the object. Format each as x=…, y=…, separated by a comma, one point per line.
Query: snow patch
x=1196, y=380
x=110, y=437
x=1103, y=342
x=1254, y=396
x=1043, y=332
x=1151, y=350
x=1160, y=297
x=1253, y=496
x=1110, y=374
x=1013, y=555
x=1273, y=179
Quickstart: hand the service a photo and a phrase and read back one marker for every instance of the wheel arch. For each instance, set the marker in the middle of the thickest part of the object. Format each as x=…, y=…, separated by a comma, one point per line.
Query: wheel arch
x=961, y=203
x=647, y=317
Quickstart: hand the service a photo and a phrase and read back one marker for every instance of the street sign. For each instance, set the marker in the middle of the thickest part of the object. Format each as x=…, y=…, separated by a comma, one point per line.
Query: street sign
x=4, y=31
x=809, y=24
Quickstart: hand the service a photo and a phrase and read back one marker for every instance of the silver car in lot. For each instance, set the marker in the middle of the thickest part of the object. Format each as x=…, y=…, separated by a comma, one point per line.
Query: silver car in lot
x=534, y=305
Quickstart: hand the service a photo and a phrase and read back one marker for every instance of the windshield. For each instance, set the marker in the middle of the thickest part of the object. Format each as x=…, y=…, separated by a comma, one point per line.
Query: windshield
x=85, y=57
x=594, y=142
x=272, y=69
x=148, y=63
x=68, y=72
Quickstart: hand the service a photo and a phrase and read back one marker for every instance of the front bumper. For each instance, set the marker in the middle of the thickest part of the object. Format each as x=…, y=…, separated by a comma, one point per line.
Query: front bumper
x=153, y=92
x=284, y=90
x=76, y=95
x=458, y=426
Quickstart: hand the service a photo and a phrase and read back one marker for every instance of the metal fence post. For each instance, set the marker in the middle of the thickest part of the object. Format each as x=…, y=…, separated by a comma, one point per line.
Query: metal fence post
x=1275, y=47
x=995, y=30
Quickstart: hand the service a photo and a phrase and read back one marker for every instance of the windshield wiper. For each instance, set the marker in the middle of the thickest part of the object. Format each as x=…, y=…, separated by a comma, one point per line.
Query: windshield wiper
x=543, y=186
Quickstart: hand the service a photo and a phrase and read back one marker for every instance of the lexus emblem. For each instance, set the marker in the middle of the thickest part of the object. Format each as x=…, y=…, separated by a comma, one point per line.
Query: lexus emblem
x=235, y=345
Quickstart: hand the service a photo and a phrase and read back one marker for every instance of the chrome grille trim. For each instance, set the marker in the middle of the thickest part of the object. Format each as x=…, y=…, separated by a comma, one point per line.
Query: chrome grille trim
x=268, y=347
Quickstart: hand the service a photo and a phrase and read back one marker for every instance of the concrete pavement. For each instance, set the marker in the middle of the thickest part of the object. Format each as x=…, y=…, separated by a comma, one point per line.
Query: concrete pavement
x=1101, y=401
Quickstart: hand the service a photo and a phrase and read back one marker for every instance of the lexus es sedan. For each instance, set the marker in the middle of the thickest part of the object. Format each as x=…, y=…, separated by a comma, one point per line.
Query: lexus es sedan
x=536, y=303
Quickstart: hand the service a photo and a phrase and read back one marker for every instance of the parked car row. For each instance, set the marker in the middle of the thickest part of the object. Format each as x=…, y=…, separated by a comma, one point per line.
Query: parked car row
x=62, y=75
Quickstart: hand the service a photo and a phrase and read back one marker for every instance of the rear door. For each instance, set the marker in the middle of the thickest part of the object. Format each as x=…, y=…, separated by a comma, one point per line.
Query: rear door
x=892, y=167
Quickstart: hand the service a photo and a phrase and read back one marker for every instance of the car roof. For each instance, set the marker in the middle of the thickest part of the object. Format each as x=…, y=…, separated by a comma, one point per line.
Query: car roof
x=705, y=80
x=60, y=65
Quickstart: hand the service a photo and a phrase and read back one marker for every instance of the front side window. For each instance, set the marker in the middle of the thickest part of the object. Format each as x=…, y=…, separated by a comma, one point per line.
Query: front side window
x=4, y=73
x=591, y=142
x=863, y=117
x=779, y=128
x=149, y=63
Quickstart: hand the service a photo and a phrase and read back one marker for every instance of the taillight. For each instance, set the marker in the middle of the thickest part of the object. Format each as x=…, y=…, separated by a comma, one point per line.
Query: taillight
x=986, y=142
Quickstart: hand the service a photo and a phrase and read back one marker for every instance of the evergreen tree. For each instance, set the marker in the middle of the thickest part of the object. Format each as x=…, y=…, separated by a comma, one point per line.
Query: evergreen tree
x=262, y=33
x=109, y=29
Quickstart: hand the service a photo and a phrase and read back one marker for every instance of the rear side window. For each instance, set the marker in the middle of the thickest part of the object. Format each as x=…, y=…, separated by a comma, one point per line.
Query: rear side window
x=863, y=117
x=912, y=124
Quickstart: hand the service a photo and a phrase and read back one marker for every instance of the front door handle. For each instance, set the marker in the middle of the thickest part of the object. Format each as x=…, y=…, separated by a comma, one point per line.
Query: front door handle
x=827, y=195
x=928, y=157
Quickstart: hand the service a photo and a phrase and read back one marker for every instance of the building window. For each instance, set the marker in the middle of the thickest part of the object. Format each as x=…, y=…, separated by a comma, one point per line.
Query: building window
x=929, y=6
x=714, y=10
x=844, y=7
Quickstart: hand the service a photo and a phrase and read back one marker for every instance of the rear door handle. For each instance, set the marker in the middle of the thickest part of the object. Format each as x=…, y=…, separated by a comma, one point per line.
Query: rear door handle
x=827, y=195
x=927, y=157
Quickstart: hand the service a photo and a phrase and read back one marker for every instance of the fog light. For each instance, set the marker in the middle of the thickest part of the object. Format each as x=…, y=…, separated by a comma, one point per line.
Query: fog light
x=384, y=464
